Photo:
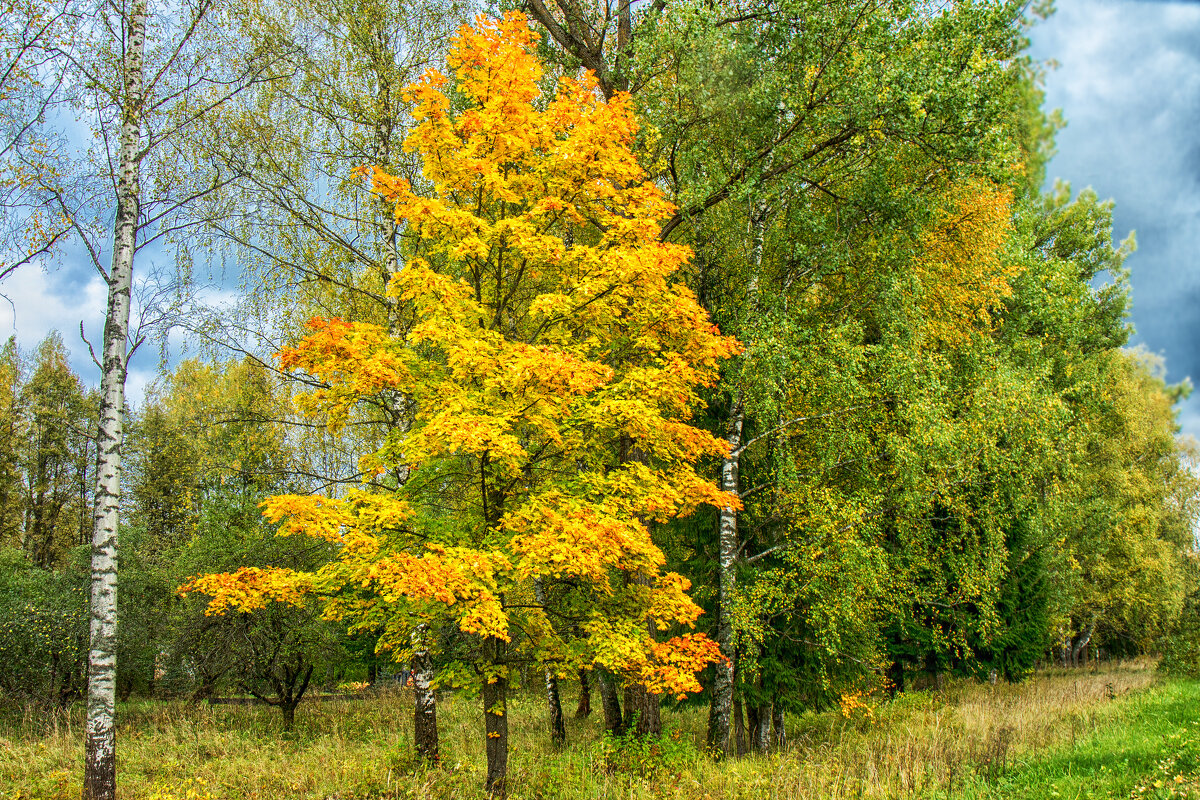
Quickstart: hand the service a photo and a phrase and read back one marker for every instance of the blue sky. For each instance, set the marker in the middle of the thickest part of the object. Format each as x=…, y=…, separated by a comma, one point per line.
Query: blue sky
x=1128, y=82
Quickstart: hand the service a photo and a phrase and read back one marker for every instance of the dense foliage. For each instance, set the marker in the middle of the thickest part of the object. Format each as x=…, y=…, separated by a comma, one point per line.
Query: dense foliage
x=750, y=363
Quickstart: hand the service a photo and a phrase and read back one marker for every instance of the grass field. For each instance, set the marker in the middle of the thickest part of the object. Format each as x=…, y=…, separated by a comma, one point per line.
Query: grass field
x=1120, y=732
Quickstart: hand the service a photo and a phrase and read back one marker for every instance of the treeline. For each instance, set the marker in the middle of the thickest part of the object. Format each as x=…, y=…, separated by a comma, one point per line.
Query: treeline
x=47, y=458
x=502, y=438
x=205, y=447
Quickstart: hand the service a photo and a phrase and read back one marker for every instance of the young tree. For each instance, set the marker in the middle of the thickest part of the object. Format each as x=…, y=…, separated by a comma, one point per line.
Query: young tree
x=308, y=235
x=274, y=650
x=1124, y=529
x=11, y=445
x=552, y=366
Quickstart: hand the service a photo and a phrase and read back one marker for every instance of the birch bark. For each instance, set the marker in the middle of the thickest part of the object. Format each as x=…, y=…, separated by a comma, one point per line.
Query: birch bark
x=424, y=699
x=728, y=543
x=778, y=728
x=727, y=537
x=558, y=725
x=1079, y=652
x=100, y=762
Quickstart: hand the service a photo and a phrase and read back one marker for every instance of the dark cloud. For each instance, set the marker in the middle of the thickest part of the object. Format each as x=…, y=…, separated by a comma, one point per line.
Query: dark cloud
x=1129, y=85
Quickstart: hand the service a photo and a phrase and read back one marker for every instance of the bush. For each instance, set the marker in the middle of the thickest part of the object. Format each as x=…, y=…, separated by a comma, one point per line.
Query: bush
x=43, y=629
x=1181, y=647
x=650, y=757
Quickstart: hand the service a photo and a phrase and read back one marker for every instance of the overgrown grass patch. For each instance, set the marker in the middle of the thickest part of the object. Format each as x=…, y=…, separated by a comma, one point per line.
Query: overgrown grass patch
x=1065, y=731
x=1149, y=748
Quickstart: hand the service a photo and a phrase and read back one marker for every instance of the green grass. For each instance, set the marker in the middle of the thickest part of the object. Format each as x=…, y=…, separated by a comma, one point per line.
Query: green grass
x=1071, y=732
x=1149, y=748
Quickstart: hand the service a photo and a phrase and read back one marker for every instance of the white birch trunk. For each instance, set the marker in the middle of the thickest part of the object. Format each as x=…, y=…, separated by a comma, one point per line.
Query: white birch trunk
x=425, y=726
x=558, y=725
x=727, y=543
x=99, y=782
x=391, y=231
x=721, y=705
x=1079, y=653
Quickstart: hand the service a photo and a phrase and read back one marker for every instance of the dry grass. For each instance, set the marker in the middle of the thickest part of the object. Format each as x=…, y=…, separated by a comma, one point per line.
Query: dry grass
x=921, y=744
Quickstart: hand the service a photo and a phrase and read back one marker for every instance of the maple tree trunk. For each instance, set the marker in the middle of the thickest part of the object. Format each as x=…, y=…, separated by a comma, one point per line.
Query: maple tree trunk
x=584, y=709
x=495, y=716
x=613, y=722
x=722, y=701
x=100, y=757
x=425, y=729
x=642, y=711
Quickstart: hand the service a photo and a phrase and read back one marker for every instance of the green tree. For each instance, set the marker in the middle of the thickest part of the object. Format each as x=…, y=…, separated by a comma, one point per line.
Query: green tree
x=206, y=438
x=57, y=457
x=1126, y=533
x=43, y=629
x=274, y=652
x=552, y=364
x=12, y=514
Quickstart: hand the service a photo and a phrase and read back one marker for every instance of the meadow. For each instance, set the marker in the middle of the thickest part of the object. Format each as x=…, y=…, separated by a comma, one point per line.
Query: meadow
x=1118, y=731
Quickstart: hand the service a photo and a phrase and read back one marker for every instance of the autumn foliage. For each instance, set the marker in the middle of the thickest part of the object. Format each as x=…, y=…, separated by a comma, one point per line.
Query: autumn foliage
x=552, y=363
x=962, y=262
x=503, y=445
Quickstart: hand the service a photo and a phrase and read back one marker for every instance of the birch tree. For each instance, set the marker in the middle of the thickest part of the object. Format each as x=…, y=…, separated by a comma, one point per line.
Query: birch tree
x=100, y=764
x=138, y=77
x=32, y=83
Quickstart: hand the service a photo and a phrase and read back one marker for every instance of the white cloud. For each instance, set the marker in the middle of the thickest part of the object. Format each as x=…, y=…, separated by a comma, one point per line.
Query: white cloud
x=40, y=301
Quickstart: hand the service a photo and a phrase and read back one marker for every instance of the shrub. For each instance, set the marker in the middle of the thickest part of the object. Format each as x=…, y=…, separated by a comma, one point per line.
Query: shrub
x=650, y=757
x=1181, y=647
x=43, y=630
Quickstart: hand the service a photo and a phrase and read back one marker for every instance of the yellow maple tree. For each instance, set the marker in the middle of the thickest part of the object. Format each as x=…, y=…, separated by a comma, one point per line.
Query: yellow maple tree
x=551, y=364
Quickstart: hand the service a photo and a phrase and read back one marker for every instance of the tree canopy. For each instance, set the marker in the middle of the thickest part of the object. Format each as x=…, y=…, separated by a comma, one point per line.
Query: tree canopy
x=693, y=350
